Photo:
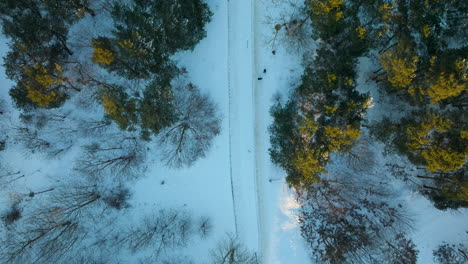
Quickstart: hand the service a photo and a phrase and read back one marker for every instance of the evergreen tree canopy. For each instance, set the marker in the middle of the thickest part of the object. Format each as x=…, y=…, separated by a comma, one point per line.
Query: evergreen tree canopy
x=149, y=32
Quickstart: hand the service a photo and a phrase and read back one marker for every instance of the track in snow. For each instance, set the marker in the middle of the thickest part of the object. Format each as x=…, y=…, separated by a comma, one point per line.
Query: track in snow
x=246, y=157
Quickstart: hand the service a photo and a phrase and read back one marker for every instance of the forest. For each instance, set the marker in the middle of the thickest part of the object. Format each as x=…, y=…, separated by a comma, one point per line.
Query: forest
x=103, y=92
x=419, y=68
x=99, y=89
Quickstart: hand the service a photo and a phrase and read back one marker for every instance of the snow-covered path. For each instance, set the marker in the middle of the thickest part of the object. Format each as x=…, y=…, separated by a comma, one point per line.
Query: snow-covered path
x=265, y=218
x=243, y=129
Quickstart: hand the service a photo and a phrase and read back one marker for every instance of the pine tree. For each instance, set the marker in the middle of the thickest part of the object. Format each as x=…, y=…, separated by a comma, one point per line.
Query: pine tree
x=400, y=65
x=119, y=107
x=310, y=164
x=156, y=109
x=420, y=134
x=442, y=159
x=340, y=139
x=148, y=33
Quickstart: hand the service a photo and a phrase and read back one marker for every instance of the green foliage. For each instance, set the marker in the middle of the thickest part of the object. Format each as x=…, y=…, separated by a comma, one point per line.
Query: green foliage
x=325, y=117
x=119, y=107
x=156, y=109
x=38, y=31
x=148, y=33
x=148, y=113
x=400, y=65
x=438, y=158
x=424, y=71
x=451, y=254
x=284, y=138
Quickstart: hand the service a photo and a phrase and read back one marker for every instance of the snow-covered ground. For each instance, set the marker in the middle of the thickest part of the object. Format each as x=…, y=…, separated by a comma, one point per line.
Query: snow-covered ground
x=236, y=184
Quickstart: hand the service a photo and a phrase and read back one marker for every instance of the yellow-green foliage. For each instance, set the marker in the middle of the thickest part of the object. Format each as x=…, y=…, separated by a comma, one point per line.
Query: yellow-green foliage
x=445, y=86
x=464, y=134
x=400, y=67
x=441, y=159
x=426, y=31
x=109, y=104
x=338, y=139
x=100, y=54
x=385, y=10
x=330, y=110
x=41, y=98
x=419, y=135
x=459, y=194
x=361, y=32
x=126, y=44
x=308, y=162
x=308, y=128
x=331, y=78
x=327, y=8
x=40, y=83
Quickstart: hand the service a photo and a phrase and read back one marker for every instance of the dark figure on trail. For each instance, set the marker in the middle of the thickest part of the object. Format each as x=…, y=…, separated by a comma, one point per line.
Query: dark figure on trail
x=264, y=70
x=259, y=78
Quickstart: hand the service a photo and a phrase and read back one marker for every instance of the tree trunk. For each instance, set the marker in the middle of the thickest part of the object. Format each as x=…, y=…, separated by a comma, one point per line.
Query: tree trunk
x=431, y=188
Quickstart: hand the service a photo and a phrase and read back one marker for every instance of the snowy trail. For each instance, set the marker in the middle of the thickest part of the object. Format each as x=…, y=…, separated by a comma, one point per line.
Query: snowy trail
x=245, y=156
x=259, y=132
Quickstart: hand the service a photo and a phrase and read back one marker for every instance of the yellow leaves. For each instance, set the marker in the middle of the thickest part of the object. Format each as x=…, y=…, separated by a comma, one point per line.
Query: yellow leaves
x=461, y=67
x=327, y=8
x=41, y=98
x=110, y=106
x=400, y=68
x=309, y=164
x=336, y=138
x=385, y=9
x=101, y=55
x=329, y=110
x=361, y=32
x=331, y=78
x=464, y=134
x=126, y=44
x=419, y=135
x=308, y=128
x=339, y=139
x=40, y=83
x=58, y=69
x=426, y=31
x=444, y=87
x=440, y=123
x=338, y=15
x=459, y=194
x=441, y=159
x=369, y=103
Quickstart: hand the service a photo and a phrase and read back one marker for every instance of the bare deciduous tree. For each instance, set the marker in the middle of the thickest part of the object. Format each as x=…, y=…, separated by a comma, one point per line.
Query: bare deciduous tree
x=232, y=251
x=93, y=128
x=46, y=131
x=31, y=139
x=348, y=217
x=56, y=227
x=360, y=158
x=44, y=236
x=122, y=156
x=451, y=254
x=166, y=260
x=191, y=136
x=8, y=176
x=205, y=227
x=292, y=28
x=11, y=215
x=167, y=229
